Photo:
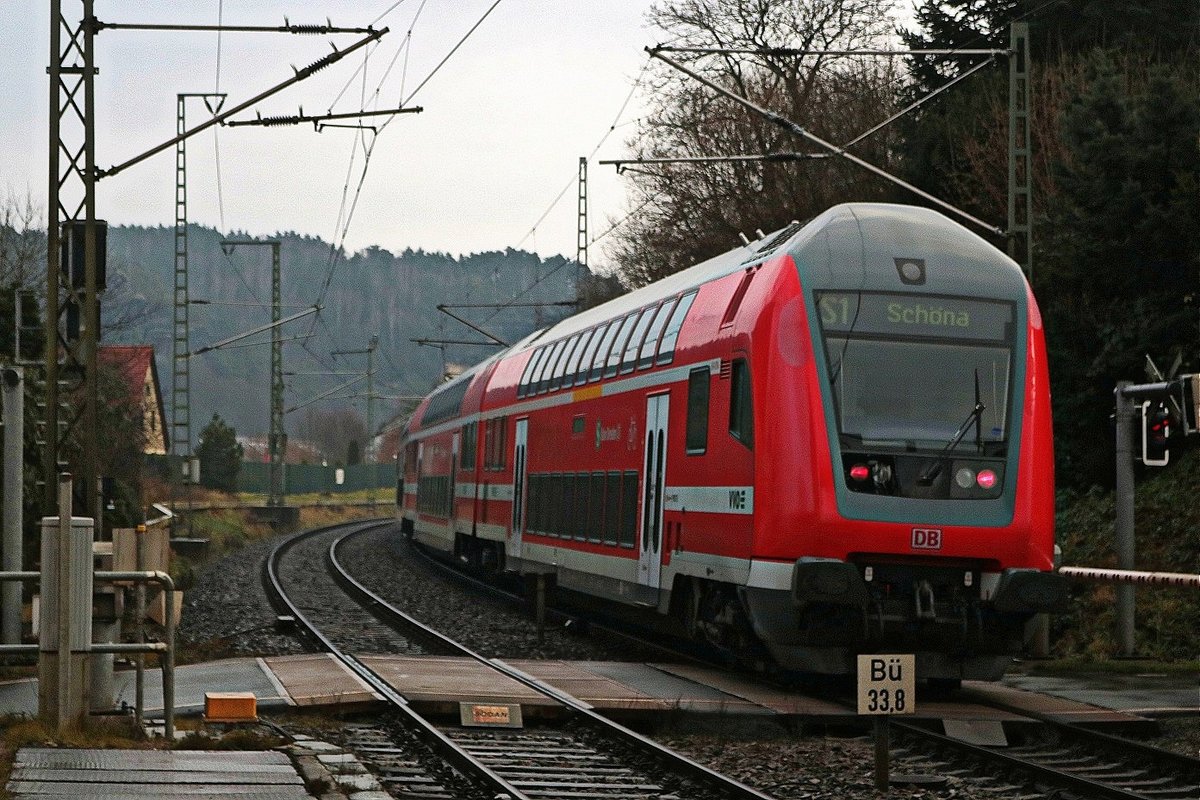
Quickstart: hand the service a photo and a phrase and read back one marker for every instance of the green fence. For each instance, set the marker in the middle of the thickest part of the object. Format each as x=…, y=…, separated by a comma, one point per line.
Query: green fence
x=306, y=478
x=299, y=478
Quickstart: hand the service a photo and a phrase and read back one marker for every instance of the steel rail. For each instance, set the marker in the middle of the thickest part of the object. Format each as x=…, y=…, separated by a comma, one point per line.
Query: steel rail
x=683, y=764
x=1086, y=787
x=441, y=744
x=1117, y=744
x=605, y=626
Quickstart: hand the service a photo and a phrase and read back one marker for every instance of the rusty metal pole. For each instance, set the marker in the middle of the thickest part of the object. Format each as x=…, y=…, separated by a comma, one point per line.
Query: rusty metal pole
x=883, y=755
x=1124, y=525
x=139, y=703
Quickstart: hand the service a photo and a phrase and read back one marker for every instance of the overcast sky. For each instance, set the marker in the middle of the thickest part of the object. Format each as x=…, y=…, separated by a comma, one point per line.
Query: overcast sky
x=505, y=121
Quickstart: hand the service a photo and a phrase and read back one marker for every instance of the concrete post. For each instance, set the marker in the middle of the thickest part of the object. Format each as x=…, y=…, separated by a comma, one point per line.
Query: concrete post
x=65, y=635
x=1126, y=418
x=14, y=436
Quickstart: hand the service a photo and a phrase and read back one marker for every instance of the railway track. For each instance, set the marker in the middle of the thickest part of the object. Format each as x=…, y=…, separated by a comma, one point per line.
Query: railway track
x=1073, y=761
x=1051, y=756
x=584, y=755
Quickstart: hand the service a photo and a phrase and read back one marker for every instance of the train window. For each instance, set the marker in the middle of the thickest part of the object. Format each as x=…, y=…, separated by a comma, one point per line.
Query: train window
x=650, y=344
x=697, y=411
x=629, y=503
x=539, y=365
x=666, y=348
x=549, y=503
x=489, y=444
x=527, y=375
x=602, y=351
x=589, y=353
x=543, y=380
x=545, y=504
x=556, y=380
x=612, y=507
x=573, y=362
x=614, y=357
x=533, y=520
x=549, y=489
x=629, y=361
x=741, y=417
x=470, y=439
x=583, y=494
x=493, y=443
x=566, y=508
x=595, y=516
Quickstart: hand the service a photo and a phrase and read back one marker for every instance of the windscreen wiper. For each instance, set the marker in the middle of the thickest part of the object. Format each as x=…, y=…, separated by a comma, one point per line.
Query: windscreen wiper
x=974, y=418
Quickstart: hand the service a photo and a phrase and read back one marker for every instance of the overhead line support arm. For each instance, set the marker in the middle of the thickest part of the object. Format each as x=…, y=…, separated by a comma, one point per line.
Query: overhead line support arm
x=285, y=28
x=315, y=119
x=260, y=329
x=301, y=74
x=791, y=51
x=438, y=342
x=442, y=308
x=799, y=130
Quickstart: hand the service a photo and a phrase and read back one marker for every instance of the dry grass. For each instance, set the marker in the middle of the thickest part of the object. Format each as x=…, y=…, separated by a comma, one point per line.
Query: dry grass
x=101, y=732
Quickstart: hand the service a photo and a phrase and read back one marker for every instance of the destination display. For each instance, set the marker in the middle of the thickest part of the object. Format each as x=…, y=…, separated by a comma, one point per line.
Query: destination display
x=914, y=315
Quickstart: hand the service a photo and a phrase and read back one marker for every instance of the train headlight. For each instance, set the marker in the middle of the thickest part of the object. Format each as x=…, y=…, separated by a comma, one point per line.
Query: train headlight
x=972, y=480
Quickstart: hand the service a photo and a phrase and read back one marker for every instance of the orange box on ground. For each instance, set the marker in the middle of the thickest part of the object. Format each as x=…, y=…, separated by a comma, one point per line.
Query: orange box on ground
x=230, y=707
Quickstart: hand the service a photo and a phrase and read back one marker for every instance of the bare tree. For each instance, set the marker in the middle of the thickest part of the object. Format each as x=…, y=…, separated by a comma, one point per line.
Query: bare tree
x=22, y=242
x=332, y=431
x=685, y=213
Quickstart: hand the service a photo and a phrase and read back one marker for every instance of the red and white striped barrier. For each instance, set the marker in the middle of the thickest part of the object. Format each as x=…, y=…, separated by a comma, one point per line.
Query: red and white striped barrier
x=1131, y=576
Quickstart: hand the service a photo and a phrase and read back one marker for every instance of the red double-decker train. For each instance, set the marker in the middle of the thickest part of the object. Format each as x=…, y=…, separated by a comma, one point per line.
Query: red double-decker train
x=833, y=440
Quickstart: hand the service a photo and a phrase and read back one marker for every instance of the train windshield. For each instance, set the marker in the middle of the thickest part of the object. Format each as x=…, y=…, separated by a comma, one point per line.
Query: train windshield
x=906, y=371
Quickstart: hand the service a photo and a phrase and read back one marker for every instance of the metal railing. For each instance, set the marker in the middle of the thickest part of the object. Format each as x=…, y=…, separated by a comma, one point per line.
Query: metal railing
x=165, y=649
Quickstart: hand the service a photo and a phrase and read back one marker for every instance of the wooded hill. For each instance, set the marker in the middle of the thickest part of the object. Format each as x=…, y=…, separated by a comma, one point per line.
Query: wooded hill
x=372, y=292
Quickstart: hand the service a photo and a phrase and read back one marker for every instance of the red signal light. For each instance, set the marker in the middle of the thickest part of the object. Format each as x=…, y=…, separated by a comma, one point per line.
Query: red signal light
x=860, y=472
x=986, y=479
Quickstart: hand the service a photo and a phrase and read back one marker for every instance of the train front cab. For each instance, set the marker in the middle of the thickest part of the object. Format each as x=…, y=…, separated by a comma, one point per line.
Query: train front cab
x=906, y=452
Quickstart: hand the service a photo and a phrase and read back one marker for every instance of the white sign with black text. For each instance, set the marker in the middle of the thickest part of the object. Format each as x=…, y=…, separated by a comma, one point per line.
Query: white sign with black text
x=887, y=684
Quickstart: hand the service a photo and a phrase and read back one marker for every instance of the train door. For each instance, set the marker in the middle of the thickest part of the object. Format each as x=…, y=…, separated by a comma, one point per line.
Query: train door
x=518, y=503
x=650, y=553
x=420, y=463
x=453, y=488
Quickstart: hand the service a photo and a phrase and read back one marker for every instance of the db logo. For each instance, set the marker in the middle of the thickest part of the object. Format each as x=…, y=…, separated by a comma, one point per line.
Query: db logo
x=927, y=538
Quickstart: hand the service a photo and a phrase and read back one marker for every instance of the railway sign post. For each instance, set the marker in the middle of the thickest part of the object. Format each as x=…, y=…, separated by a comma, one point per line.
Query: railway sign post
x=886, y=686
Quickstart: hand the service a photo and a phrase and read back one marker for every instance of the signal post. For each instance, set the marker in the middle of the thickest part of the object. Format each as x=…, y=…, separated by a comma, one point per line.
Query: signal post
x=886, y=686
x=1158, y=406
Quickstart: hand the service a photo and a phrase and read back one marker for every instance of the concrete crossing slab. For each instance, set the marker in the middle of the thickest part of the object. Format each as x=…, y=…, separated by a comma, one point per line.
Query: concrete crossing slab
x=163, y=774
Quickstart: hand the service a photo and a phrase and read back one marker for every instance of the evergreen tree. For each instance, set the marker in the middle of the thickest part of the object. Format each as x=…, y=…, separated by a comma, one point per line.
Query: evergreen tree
x=220, y=456
x=1121, y=247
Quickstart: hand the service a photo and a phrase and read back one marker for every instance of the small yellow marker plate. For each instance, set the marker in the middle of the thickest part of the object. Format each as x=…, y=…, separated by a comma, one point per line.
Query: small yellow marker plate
x=490, y=715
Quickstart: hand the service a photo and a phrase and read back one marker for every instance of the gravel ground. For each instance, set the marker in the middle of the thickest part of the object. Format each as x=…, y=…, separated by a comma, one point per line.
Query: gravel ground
x=227, y=613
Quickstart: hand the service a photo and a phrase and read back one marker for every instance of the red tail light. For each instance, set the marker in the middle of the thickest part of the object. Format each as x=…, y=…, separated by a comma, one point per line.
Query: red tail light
x=860, y=472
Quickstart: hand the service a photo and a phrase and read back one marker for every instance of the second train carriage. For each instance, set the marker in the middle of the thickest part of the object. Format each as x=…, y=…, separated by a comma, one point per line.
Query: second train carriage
x=832, y=440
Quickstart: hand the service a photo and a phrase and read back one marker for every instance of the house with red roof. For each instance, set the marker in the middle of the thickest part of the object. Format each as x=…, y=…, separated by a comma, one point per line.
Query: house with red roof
x=135, y=364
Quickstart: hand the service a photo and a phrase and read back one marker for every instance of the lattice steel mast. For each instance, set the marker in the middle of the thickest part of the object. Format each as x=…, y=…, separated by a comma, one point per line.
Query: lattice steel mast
x=581, y=239
x=276, y=435
x=180, y=445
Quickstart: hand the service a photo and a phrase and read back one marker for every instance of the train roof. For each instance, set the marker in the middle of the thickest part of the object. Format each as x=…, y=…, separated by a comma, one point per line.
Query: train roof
x=846, y=228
